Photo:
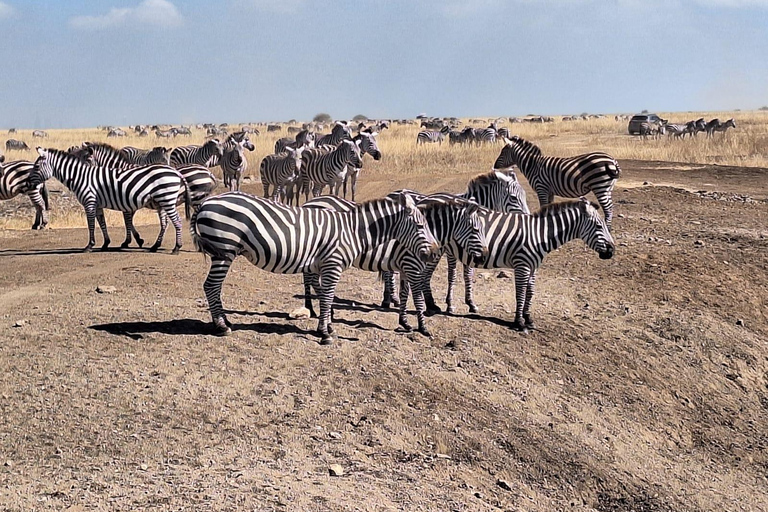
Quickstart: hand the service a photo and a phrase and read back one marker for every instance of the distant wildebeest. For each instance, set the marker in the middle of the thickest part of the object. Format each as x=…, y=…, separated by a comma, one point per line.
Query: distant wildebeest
x=274, y=127
x=116, y=132
x=39, y=133
x=15, y=144
x=12, y=130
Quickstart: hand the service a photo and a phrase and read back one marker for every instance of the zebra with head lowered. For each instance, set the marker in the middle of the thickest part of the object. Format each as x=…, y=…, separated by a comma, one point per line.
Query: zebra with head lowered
x=287, y=240
x=281, y=172
x=431, y=137
x=15, y=144
x=99, y=188
x=551, y=176
x=14, y=180
x=494, y=191
x=520, y=242
x=452, y=221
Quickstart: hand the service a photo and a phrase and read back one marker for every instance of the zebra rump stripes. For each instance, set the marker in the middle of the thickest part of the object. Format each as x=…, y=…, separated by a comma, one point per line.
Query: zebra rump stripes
x=286, y=240
x=570, y=177
x=14, y=180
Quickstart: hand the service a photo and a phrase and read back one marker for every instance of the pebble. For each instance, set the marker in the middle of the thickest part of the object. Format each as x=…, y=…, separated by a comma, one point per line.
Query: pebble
x=299, y=314
x=335, y=470
x=21, y=323
x=503, y=275
x=504, y=485
x=740, y=322
x=105, y=289
x=334, y=435
x=699, y=243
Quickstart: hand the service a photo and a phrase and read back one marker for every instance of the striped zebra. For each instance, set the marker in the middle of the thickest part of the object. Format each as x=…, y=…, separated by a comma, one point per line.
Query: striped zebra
x=432, y=137
x=208, y=154
x=328, y=166
x=488, y=134
x=14, y=180
x=571, y=177
x=98, y=188
x=139, y=156
x=280, y=171
x=678, y=130
x=502, y=133
x=116, y=132
x=15, y=144
x=699, y=125
x=340, y=131
x=452, y=221
x=303, y=138
x=368, y=145
x=495, y=191
x=166, y=134
x=520, y=242
x=40, y=134
x=286, y=240
x=716, y=126
x=234, y=164
x=654, y=130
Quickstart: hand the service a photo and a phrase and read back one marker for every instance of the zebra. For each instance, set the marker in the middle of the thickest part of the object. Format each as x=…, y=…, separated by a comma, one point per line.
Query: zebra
x=15, y=144
x=451, y=221
x=340, y=131
x=716, y=126
x=166, y=134
x=367, y=141
x=488, y=134
x=431, y=137
x=138, y=156
x=521, y=242
x=234, y=164
x=288, y=240
x=303, y=138
x=697, y=126
x=566, y=177
x=143, y=133
x=208, y=154
x=327, y=166
x=116, y=132
x=274, y=127
x=39, y=134
x=495, y=190
x=655, y=130
x=183, y=130
x=677, y=130
x=281, y=171
x=12, y=130
x=14, y=180
x=97, y=188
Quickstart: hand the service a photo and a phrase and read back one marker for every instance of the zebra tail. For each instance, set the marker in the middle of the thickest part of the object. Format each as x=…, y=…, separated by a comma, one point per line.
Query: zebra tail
x=187, y=200
x=614, y=171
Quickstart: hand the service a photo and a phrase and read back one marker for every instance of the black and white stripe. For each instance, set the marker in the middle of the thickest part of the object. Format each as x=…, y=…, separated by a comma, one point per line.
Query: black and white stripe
x=340, y=131
x=233, y=165
x=14, y=180
x=15, y=144
x=452, y=221
x=328, y=166
x=98, y=188
x=303, y=138
x=208, y=154
x=138, y=156
x=281, y=172
x=715, y=125
x=520, y=242
x=551, y=176
x=287, y=240
x=488, y=134
x=368, y=145
x=431, y=136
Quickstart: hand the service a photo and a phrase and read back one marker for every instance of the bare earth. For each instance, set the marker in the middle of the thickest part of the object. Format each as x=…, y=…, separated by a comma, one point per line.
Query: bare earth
x=645, y=389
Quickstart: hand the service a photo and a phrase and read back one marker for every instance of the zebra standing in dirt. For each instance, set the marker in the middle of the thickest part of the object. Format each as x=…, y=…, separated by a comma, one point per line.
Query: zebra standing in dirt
x=233, y=165
x=340, y=131
x=98, y=188
x=281, y=172
x=571, y=177
x=328, y=166
x=452, y=221
x=367, y=142
x=14, y=180
x=432, y=137
x=286, y=240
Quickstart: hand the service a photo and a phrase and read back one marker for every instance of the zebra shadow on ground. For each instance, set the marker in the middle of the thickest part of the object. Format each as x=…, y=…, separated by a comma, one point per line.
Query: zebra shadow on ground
x=357, y=324
x=39, y=252
x=350, y=305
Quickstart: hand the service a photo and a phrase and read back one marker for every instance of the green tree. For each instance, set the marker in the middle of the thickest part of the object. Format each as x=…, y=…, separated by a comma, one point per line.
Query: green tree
x=359, y=118
x=322, y=118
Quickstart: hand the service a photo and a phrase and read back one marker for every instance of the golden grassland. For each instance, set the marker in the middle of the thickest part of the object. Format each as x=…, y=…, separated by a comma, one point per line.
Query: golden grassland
x=747, y=145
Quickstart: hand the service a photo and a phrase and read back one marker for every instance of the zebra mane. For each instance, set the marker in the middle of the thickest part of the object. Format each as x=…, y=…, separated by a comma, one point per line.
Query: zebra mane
x=428, y=204
x=525, y=144
x=101, y=145
x=485, y=179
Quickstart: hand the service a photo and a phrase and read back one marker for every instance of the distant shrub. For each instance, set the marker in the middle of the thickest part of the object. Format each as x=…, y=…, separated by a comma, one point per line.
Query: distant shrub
x=644, y=111
x=322, y=118
x=764, y=109
x=359, y=118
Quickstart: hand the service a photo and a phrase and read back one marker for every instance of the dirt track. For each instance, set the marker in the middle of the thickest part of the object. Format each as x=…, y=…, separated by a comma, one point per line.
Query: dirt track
x=646, y=387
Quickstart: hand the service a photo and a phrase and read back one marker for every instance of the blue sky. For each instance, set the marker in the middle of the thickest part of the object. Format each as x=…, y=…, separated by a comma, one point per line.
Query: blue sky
x=79, y=63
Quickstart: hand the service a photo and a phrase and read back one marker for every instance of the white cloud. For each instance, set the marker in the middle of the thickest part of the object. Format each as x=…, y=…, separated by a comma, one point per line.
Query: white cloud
x=6, y=11
x=158, y=13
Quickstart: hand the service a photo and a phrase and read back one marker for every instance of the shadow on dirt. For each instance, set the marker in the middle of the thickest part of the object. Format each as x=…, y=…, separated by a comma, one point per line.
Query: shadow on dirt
x=188, y=326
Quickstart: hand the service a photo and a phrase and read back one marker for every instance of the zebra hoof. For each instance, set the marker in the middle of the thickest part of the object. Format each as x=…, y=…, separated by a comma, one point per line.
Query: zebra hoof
x=176, y=249
x=450, y=310
x=529, y=324
x=125, y=244
x=396, y=303
x=154, y=248
x=222, y=327
x=385, y=304
x=88, y=248
x=140, y=242
x=326, y=339
x=425, y=332
x=104, y=247
x=473, y=309
x=519, y=326
x=405, y=327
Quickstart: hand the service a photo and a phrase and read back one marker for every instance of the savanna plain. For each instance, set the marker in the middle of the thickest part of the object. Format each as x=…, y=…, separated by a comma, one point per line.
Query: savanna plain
x=643, y=388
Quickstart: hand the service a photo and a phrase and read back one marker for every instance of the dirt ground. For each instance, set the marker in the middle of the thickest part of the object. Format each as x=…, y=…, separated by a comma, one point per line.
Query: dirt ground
x=644, y=389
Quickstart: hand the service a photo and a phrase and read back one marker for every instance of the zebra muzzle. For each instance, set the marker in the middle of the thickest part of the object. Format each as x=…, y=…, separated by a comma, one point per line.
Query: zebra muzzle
x=607, y=253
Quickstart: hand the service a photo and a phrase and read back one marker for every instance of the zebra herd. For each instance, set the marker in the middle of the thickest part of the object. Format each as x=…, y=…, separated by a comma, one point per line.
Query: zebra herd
x=468, y=135
x=404, y=234
x=680, y=130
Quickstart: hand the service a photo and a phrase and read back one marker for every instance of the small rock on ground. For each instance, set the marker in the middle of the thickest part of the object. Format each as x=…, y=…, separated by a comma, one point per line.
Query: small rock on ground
x=105, y=289
x=335, y=470
x=299, y=313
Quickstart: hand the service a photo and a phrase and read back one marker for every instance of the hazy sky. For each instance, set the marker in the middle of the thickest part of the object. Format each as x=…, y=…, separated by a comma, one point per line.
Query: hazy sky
x=78, y=63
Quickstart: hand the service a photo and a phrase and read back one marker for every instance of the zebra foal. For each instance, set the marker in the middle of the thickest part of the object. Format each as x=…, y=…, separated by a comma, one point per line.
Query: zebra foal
x=287, y=240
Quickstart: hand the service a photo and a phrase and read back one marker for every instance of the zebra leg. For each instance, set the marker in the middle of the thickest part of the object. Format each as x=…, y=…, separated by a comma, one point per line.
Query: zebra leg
x=469, y=281
x=354, y=184
x=41, y=217
x=528, y=297
x=163, y=227
x=606, y=203
x=402, y=319
x=103, y=225
x=130, y=229
x=522, y=275
x=90, y=215
x=309, y=279
x=329, y=278
x=212, y=289
x=417, y=293
x=426, y=288
x=389, y=290
x=451, y=283
x=173, y=214
x=265, y=186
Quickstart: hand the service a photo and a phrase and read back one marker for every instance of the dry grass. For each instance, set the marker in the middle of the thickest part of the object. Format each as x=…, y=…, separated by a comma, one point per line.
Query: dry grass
x=747, y=145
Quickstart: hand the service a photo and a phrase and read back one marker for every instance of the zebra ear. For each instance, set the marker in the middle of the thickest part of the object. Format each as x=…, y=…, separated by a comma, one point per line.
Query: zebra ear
x=42, y=152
